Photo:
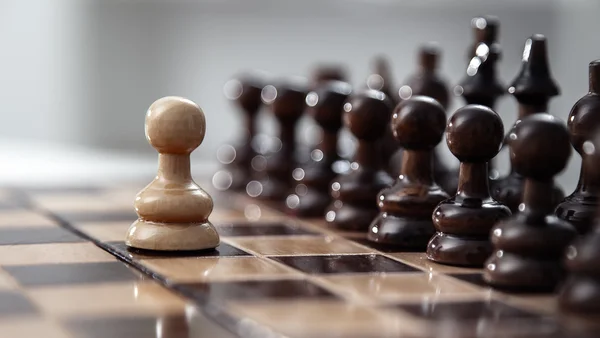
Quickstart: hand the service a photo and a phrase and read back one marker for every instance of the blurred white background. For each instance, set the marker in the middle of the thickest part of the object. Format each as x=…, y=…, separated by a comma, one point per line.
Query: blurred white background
x=81, y=73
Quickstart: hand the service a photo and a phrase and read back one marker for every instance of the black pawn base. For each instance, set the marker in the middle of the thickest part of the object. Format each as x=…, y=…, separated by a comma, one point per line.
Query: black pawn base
x=407, y=233
x=516, y=273
x=273, y=190
x=579, y=210
x=460, y=251
x=349, y=217
x=580, y=294
x=312, y=204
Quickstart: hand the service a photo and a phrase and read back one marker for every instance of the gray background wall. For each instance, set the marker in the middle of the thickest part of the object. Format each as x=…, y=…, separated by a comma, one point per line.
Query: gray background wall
x=84, y=72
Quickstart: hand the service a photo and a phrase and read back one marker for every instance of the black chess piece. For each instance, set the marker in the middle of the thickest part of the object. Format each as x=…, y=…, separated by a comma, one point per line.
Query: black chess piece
x=381, y=79
x=474, y=134
x=324, y=73
x=245, y=91
x=580, y=207
x=528, y=246
x=354, y=193
x=311, y=196
x=273, y=173
x=481, y=85
x=581, y=291
x=405, y=208
x=533, y=88
x=427, y=82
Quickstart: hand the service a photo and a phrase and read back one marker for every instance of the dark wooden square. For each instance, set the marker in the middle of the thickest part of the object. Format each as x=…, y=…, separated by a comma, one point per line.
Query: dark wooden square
x=332, y=264
x=467, y=310
x=98, y=216
x=254, y=290
x=37, y=235
x=473, y=278
x=223, y=250
x=15, y=304
x=271, y=229
x=72, y=273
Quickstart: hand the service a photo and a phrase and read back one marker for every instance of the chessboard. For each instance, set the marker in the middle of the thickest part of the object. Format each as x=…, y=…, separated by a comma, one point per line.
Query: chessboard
x=65, y=272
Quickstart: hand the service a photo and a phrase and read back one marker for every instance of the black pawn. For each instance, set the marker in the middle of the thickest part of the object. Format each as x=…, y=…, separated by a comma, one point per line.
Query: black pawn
x=580, y=207
x=404, y=220
x=528, y=246
x=274, y=172
x=427, y=82
x=533, y=88
x=311, y=196
x=481, y=85
x=474, y=135
x=354, y=193
x=581, y=291
x=245, y=92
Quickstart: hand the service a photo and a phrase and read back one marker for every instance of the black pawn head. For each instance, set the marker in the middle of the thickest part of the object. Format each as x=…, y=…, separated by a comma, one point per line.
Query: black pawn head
x=474, y=133
x=428, y=56
x=367, y=115
x=539, y=147
x=534, y=83
x=485, y=29
x=584, y=119
x=245, y=89
x=419, y=123
x=326, y=103
x=287, y=98
x=327, y=72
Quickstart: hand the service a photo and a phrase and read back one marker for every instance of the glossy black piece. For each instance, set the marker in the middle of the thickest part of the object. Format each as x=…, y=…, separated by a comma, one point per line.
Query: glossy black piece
x=427, y=82
x=580, y=207
x=37, y=235
x=533, y=88
x=340, y=264
x=528, y=247
x=311, y=196
x=70, y=273
x=247, y=96
x=474, y=134
x=354, y=193
x=481, y=85
x=287, y=103
x=405, y=208
x=581, y=291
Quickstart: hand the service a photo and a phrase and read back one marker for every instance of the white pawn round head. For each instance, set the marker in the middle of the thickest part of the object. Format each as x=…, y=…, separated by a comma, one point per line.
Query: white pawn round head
x=175, y=125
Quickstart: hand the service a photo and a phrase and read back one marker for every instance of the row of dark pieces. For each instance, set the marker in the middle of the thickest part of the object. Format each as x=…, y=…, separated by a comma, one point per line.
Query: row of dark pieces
x=527, y=248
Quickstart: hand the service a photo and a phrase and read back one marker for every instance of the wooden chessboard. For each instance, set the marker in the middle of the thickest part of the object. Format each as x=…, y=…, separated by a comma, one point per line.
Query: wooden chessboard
x=272, y=276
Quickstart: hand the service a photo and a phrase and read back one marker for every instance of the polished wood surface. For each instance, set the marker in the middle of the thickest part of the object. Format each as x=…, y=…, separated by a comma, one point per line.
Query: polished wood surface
x=579, y=208
x=173, y=210
x=474, y=135
x=354, y=193
x=529, y=246
x=405, y=208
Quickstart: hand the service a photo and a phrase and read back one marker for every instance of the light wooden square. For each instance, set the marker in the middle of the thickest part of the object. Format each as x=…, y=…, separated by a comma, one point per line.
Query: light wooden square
x=297, y=245
x=32, y=254
x=142, y=297
x=204, y=269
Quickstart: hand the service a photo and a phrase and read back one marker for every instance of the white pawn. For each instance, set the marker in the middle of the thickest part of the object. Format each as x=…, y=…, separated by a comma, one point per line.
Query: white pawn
x=173, y=210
